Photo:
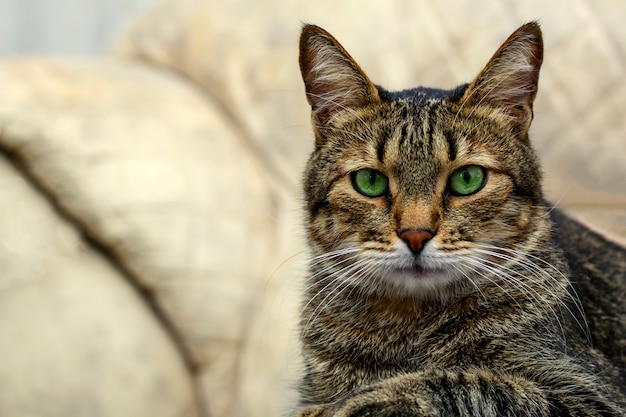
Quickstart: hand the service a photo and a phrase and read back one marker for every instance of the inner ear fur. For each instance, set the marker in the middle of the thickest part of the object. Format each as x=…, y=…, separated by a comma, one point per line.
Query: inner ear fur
x=510, y=79
x=333, y=80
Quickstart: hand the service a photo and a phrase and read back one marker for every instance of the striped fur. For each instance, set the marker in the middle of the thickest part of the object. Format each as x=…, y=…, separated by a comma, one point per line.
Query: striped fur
x=482, y=321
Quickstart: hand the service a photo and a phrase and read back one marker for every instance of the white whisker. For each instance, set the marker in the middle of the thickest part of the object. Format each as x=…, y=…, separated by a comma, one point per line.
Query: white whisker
x=528, y=261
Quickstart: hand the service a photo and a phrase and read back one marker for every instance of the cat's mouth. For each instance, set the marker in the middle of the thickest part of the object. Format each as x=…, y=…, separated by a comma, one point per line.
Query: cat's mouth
x=416, y=271
x=420, y=281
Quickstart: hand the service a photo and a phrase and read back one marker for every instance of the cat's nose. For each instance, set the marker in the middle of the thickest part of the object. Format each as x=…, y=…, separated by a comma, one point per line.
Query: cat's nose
x=415, y=238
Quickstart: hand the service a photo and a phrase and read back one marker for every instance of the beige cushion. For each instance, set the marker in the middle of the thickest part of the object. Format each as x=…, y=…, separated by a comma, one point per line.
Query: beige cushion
x=76, y=338
x=150, y=172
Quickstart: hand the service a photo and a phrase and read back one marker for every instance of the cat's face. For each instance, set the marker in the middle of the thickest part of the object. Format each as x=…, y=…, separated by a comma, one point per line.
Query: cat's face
x=420, y=193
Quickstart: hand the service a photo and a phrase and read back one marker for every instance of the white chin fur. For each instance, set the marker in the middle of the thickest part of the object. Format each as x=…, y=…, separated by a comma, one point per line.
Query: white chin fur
x=437, y=280
x=435, y=284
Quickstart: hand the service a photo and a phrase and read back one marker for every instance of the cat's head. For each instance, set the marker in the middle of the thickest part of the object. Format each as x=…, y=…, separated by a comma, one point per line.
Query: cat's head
x=425, y=190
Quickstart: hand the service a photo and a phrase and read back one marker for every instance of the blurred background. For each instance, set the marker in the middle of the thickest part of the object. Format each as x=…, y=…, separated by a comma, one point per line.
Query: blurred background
x=151, y=236
x=67, y=27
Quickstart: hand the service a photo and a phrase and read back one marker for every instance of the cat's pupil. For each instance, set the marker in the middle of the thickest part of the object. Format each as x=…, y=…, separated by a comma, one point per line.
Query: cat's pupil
x=466, y=176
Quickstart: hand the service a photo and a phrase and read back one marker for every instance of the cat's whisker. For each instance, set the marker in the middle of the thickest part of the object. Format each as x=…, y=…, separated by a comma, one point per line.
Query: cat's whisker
x=478, y=268
x=327, y=256
x=554, y=205
x=529, y=259
x=322, y=268
x=525, y=291
x=341, y=283
x=334, y=271
x=468, y=277
x=356, y=283
x=519, y=279
x=524, y=260
x=327, y=274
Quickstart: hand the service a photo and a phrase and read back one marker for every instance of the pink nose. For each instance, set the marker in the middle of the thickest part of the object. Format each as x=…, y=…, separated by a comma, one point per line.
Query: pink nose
x=415, y=238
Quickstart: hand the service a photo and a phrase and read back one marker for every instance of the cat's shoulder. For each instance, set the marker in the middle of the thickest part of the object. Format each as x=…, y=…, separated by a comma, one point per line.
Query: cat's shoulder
x=586, y=243
x=597, y=267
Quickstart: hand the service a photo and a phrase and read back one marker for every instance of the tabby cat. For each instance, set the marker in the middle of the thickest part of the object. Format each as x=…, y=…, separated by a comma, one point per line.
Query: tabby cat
x=441, y=283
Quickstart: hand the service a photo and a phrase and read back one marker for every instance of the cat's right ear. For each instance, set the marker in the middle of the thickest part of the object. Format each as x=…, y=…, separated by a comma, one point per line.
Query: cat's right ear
x=333, y=80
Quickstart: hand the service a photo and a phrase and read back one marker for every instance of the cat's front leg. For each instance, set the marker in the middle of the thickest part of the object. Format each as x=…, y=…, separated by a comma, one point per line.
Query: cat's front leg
x=441, y=393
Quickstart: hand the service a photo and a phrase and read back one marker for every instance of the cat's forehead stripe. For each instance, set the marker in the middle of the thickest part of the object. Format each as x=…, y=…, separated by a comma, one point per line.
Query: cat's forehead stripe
x=452, y=146
x=419, y=132
x=380, y=148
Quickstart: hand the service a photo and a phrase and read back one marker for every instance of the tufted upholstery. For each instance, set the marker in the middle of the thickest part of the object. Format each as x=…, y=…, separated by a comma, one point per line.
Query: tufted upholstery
x=151, y=250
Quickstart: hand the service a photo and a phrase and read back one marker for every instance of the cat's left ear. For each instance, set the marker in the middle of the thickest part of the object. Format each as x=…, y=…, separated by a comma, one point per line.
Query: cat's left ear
x=509, y=80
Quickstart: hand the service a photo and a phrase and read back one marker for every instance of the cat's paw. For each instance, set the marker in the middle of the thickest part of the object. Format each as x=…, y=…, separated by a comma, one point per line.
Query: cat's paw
x=317, y=412
x=380, y=407
x=368, y=404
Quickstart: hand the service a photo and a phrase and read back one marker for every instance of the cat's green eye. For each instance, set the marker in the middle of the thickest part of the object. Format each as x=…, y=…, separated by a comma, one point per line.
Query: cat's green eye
x=369, y=182
x=467, y=180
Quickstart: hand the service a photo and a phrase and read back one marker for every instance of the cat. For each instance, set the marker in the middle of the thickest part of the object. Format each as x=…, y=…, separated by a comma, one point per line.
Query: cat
x=441, y=283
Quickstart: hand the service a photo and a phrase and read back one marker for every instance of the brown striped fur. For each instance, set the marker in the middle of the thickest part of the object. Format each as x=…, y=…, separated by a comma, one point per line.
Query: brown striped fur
x=495, y=311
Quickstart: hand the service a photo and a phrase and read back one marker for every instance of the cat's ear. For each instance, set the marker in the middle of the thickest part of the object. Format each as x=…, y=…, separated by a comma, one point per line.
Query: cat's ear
x=334, y=81
x=509, y=80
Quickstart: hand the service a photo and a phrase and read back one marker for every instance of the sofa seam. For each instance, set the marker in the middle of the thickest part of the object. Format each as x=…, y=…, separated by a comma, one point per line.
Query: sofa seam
x=146, y=294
